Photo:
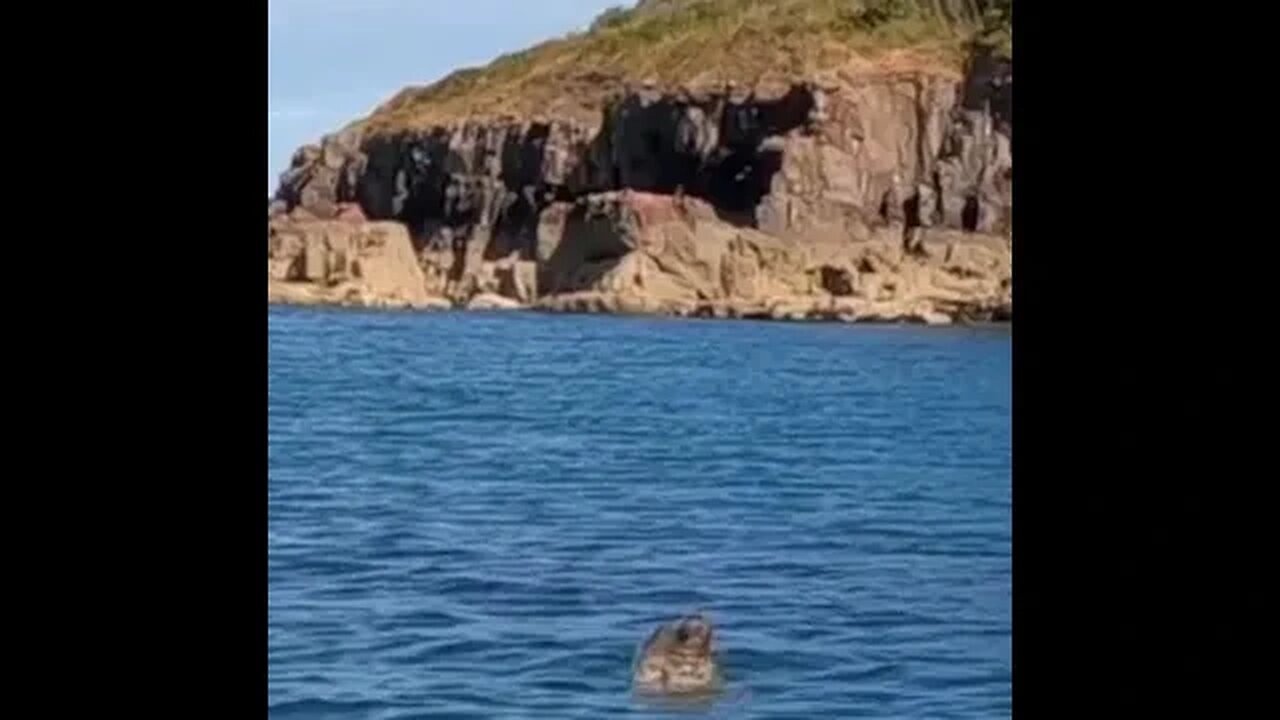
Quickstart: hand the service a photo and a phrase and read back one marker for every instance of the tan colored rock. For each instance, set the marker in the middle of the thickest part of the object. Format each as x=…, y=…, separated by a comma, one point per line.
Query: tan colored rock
x=931, y=317
x=292, y=293
x=283, y=268
x=518, y=279
x=579, y=302
x=641, y=253
x=493, y=301
x=638, y=252
x=432, y=303
x=614, y=303
x=315, y=258
x=798, y=308
x=350, y=212
x=343, y=261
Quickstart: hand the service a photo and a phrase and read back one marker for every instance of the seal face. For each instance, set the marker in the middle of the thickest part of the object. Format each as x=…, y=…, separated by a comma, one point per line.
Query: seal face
x=679, y=659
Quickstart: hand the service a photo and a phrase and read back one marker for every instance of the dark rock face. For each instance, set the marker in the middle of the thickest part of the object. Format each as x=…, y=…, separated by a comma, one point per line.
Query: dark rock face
x=847, y=159
x=974, y=177
x=486, y=180
x=708, y=145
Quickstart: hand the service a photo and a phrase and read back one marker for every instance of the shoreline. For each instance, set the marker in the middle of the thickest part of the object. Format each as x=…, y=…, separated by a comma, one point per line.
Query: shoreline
x=651, y=255
x=384, y=306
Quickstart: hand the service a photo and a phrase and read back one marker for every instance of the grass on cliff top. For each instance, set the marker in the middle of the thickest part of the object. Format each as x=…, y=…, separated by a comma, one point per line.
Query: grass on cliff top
x=698, y=43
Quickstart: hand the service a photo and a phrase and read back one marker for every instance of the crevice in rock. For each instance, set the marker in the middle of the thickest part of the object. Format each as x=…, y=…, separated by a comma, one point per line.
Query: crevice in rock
x=969, y=215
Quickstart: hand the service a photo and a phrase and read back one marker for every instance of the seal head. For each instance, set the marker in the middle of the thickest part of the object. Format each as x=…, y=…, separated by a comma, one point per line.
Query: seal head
x=679, y=658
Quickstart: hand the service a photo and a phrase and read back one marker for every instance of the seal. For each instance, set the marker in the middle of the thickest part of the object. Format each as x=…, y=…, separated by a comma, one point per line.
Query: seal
x=679, y=658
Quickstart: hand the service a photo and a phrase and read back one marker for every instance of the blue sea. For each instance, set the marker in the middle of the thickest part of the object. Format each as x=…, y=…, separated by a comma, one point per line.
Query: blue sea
x=482, y=515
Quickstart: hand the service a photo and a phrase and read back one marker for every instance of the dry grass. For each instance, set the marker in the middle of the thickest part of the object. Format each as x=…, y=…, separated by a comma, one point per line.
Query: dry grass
x=673, y=42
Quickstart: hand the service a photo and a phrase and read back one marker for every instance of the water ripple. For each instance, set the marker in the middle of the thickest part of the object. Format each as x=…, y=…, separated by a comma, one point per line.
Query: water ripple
x=482, y=515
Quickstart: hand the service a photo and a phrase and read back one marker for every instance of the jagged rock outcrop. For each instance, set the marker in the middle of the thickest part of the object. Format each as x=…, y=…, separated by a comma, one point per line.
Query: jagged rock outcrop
x=345, y=261
x=645, y=253
x=882, y=170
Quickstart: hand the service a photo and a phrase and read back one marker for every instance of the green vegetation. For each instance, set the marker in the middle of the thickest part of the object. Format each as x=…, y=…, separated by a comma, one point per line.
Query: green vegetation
x=986, y=21
x=615, y=16
x=997, y=26
x=706, y=41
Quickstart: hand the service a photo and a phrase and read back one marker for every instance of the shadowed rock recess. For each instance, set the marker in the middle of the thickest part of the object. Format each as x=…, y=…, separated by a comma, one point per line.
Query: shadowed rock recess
x=854, y=195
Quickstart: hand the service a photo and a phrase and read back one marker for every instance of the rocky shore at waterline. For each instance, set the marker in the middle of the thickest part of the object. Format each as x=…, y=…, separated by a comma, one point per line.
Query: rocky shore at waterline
x=641, y=253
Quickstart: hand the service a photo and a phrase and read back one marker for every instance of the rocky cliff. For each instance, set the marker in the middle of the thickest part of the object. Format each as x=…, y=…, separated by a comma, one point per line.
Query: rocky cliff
x=862, y=191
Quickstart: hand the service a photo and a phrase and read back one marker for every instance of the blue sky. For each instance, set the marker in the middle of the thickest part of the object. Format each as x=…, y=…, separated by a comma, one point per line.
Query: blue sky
x=332, y=61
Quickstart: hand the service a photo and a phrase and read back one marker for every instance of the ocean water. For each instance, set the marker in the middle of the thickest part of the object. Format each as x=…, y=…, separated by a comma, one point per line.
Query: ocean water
x=482, y=515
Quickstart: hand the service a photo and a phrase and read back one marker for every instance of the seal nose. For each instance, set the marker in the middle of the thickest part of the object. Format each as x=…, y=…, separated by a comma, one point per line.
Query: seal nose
x=693, y=628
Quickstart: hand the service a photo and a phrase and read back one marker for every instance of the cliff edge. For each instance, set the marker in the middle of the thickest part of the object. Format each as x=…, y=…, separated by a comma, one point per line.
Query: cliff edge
x=793, y=159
